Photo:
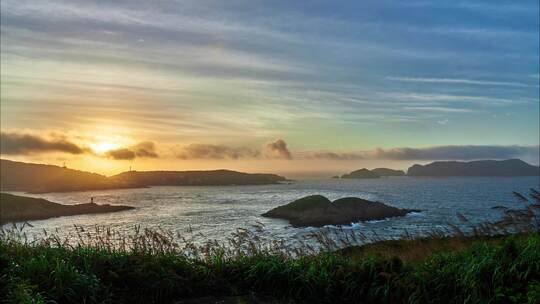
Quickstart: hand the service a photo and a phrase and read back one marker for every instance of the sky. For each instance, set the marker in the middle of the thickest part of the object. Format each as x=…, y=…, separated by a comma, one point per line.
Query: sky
x=273, y=86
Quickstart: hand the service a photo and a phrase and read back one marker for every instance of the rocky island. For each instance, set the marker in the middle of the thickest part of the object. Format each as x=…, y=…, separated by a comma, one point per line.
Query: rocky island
x=195, y=178
x=509, y=167
x=317, y=211
x=362, y=173
x=375, y=173
x=384, y=172
x=14, y=208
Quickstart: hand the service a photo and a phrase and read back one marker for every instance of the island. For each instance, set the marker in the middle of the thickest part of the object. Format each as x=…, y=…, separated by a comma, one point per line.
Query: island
x=40, y=178
x=384, y=172
x=509, y=167
x=361, y=174
x=14, y=208
x=195, y=178
x=318, y=211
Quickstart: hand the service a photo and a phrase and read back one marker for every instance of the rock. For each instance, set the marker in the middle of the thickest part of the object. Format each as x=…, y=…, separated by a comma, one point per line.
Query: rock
x=388, y=172
x=16, y=208
x=362, y=173
x=317, y=211
x=510, y=167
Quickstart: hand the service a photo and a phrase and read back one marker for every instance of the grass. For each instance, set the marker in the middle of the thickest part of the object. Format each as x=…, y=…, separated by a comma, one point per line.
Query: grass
x=494, y=263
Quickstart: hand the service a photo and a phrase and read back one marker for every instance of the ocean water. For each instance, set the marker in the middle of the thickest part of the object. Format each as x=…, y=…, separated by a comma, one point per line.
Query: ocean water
x=215, y=213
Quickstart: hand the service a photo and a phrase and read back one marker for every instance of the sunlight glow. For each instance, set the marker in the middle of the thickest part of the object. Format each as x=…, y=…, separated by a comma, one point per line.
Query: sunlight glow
x=104, y=146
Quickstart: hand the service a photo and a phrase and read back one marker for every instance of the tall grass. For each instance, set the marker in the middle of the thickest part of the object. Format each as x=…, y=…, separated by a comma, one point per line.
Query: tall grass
x=497, y=262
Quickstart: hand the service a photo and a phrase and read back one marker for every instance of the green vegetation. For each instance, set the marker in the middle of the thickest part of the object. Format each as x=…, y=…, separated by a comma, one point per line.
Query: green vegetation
x=149, y=267
x=506, y=271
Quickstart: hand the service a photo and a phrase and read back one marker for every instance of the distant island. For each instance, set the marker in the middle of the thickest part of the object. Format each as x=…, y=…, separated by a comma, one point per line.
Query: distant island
x=360, y=174
x=39, y=178
x=317, y=211
x=16, y=208
x=375, y=173
x=194, y=178
x=384, y=172
x=510, y=167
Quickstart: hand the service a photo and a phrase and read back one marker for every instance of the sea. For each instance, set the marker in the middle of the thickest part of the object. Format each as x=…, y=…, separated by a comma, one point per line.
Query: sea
x=217, y=213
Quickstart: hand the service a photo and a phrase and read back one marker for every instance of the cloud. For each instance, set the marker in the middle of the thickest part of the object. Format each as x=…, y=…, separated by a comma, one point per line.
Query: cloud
x=468, y=152
x=333, y=156
x=13, y=143
x=16, y=143
x=231, y=54
x=459, y=81
x=439, y=109
x=121, y=154
x=144, y=149
x=443, y=122
x=273, y=150
x=207, y=151
x=277, y=150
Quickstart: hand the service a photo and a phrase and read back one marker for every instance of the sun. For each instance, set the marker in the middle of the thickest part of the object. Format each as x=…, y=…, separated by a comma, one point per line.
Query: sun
x=104, y=146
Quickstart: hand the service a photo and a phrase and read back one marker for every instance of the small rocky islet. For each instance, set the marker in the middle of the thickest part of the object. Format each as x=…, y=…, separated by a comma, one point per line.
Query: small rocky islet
x=318, y=211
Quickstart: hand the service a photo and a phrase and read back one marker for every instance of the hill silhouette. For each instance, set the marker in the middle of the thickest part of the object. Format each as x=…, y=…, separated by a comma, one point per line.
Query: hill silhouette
x=387, y=172
x=195, y=178
x=39, y=178
x=36, y=178
x=362, y=173
x=509, y=167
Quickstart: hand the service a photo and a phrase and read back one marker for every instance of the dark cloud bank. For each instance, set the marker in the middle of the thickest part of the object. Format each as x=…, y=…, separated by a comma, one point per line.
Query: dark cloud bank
x=457, y=152
x=24, y=144
x=278, y=150
x=144, y=149
x=469, y=152
x=273, y=150
x=205, y=151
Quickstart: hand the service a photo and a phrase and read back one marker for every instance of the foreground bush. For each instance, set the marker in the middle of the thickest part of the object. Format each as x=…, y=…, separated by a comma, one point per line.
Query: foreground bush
x=502, y=270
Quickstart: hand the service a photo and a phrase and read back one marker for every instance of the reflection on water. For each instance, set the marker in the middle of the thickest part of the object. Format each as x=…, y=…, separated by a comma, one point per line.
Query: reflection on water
x=216, y=212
